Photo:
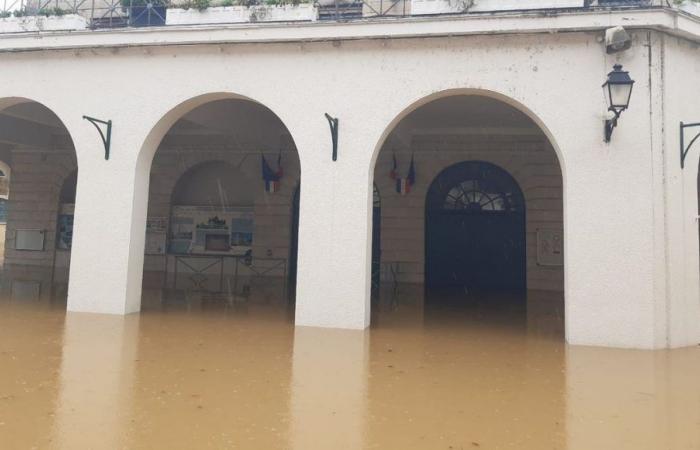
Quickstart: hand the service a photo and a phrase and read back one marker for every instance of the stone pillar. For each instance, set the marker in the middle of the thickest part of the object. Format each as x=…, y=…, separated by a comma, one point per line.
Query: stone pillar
x=333, y=278
x=109, y=226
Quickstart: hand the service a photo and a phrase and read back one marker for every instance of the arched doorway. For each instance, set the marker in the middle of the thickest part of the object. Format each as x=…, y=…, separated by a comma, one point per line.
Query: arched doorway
x=38, y=148
x=219, y=225
x=475, y=231
x=472, y=212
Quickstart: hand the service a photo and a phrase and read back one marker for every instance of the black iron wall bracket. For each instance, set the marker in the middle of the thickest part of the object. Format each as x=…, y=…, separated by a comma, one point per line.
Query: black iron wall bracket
x=610, y=125
x=333, y=122
x=106, y=136
x=685, y=149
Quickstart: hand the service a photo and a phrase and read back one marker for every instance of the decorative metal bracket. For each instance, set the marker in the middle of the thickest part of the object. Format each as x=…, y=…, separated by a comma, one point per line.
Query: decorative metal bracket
x=333, y=122
x=106, y=137
x=610, y=125
x=685, y=149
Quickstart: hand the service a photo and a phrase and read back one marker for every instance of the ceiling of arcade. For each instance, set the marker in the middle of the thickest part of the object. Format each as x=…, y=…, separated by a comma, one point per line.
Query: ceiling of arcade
x=462, y=115
x=32, y=126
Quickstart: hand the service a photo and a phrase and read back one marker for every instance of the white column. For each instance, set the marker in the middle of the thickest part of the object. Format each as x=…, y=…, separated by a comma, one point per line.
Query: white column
x=333, y=280
x=680, y=241
x=109, y=227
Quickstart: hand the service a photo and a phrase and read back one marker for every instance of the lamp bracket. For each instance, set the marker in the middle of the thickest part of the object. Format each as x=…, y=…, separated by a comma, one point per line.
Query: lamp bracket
x=685, y=149
x=610, y=124
x=333, y=122
x=105, y=135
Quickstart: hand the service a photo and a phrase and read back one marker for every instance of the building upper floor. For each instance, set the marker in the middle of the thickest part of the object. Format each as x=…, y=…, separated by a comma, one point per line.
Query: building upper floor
x=59, y=17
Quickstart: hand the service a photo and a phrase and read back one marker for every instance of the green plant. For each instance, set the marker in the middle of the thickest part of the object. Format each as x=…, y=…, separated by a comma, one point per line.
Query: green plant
x=46, y=12
x=21, y=13
x=4, y=14
x=227, y=3
x=200, y=5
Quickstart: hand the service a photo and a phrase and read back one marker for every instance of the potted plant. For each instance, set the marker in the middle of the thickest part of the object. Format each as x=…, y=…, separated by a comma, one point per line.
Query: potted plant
x=191, y=12
x=461, y=6
x=689, y=6
x=45, y=19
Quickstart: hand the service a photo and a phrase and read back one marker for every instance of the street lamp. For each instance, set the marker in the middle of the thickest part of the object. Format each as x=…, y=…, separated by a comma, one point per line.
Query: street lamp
x=618, y=90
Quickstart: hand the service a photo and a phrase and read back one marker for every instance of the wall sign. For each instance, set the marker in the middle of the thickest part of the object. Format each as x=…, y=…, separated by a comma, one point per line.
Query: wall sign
x=550, y=247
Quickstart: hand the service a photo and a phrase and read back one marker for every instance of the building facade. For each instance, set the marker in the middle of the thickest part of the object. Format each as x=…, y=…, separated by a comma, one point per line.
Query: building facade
x=213, y=128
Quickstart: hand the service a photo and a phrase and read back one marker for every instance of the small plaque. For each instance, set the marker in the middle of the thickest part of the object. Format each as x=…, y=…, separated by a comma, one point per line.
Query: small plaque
x=29, y=240
x=550, y=247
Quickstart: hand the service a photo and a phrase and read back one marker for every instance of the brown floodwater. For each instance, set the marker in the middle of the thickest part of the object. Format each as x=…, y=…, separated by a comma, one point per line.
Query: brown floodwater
x=243, y=377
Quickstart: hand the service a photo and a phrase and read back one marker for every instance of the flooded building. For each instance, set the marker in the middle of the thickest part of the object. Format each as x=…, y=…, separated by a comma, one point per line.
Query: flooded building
x=387, y=224
x=337, y=160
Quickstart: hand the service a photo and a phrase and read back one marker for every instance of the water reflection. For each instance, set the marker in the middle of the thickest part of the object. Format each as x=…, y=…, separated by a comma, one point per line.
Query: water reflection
x=329, y=388
x=633, y=399
x=226, y=377
x=96, y=381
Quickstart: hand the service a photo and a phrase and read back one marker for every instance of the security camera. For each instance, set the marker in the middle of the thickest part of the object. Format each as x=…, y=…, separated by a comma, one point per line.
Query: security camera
x=617, y=40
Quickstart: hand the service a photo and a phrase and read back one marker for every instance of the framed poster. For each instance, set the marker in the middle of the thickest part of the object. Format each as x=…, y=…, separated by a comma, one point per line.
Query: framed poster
x=155, y=235
x=64, y=240
x=211, y=230
x=550, y=247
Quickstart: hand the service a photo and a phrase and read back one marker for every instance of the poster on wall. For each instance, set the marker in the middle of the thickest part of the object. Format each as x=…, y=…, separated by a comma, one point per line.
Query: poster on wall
x=64, y=240
x=211, y=230
x=156, y=235
x=550, y=247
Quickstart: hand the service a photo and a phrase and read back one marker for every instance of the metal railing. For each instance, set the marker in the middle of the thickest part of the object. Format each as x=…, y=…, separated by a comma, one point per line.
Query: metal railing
x=96, y=14
x=225, y=274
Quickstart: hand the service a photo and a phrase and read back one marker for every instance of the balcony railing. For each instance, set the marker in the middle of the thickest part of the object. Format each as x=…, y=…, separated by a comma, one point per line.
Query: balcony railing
x=48, y=15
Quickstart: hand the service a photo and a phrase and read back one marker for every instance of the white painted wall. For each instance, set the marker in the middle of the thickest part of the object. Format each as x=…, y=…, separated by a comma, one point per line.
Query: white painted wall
x=613, y=235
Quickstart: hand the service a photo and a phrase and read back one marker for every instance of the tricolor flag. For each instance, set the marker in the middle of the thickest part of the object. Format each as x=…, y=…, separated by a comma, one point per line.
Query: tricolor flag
x=272, y=178
x=393, y=173
x=403, y=185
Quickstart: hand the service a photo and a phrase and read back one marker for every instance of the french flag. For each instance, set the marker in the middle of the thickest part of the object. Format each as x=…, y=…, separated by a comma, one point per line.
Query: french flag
x=272, y=178
x=403, y=185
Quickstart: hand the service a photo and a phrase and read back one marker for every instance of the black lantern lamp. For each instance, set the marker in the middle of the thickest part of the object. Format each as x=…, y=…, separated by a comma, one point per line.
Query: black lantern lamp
x=618, y=90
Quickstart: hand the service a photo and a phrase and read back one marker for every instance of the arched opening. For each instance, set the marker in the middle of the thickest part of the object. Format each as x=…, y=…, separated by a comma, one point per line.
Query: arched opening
x=34, y=195
x=472, y=213
x=220, y=227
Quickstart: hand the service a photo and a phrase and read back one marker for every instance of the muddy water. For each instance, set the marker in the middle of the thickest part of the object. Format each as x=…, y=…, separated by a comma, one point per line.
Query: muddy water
x=248, y=379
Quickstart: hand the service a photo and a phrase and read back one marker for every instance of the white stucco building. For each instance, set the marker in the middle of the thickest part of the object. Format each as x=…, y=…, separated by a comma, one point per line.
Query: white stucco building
x=488, y=100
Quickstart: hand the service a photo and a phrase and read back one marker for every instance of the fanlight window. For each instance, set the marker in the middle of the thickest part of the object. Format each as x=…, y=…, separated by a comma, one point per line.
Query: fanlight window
x=475, y=187
x=468, y=195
